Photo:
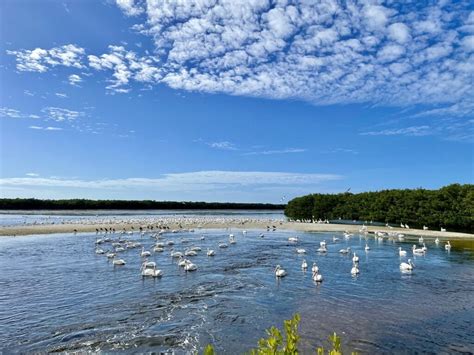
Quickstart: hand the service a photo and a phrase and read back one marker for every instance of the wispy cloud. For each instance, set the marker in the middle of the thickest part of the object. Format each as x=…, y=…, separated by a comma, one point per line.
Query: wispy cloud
x=49, y=128
x=277, y=151
x=183, y=181
x=223, y=145
x=343, y=150
x=61, y=114
x=12, y=113
x=61, y=95
x=32, y=174
x=407, y=131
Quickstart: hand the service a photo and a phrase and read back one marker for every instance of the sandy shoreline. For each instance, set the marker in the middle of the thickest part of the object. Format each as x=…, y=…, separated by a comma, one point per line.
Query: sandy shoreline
x=24, y=230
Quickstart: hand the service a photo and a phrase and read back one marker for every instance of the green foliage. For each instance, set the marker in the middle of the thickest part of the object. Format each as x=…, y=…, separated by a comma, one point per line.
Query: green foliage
x=208, y=350
x=450, y=207
x=275, y=344
x=81, y=204
x=336, y=346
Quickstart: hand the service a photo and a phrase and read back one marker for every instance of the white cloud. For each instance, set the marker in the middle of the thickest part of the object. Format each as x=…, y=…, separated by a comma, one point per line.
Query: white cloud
x=74, y=79
x=32, y=174
x=61, y=114
x=399, y=32
x=125, y=65
x=61, y=95
x=49, y=128
x=192, y=181
x=12, y=113
x=223, y=145
x=324, y=52
x=40, y=60
x=407, y=131
x=130, y=7
x=277, y=151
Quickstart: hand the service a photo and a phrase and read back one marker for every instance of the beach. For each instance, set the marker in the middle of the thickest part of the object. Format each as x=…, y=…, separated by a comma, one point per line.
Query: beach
x=213, y=223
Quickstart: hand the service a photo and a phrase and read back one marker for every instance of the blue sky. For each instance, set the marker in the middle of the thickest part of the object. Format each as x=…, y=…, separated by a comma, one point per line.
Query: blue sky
x=255, y=101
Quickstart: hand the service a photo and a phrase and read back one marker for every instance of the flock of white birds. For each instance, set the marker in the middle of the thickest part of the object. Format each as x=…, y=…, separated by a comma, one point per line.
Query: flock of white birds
x=149, y=268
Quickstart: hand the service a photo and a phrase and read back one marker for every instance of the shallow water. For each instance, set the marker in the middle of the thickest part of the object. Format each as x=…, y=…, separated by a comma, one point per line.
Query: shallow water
x=56, y=294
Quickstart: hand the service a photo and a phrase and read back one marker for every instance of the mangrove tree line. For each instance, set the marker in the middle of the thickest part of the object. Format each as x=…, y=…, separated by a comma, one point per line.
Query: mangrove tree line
x=450, y=207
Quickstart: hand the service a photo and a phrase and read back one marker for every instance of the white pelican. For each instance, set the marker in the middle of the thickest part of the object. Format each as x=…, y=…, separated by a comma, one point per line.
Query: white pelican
x=443, y=229
x=322, y=244
x=301, y=251
x=157, y=273
x=293, y=239
x=447, y=246
x=148, y=264
x=335, y=239
x=436, y=241
x=279, y=272
x=99, y=251
x=407, y=266
x=304, y=265
x=232, y=239
x=196, y=248
x=244, y=232
x=315, y=268
x=152, y=272
x=402, y=252
x=203, y=238
x=144, y=253
x=262, y=235
x=110, y=255
x=176, y=254
x=401, y=225
x=425, y=228
x=118, y=261
x=210, y=252
x=223, y=245
x=420, y=240
x=322, y=250
x=406, y=226
x=182, y=261
x=345, y=251
x=355, y=259
x=170, y=242
x=147, y=272
x=354, y=270
x=158, y=249
x=401, y=237
x=424, y=248
x=317, y=277
x=367, y=248
x=190, y=266
x=417, y=251
x=119, y=249
x=190, y=253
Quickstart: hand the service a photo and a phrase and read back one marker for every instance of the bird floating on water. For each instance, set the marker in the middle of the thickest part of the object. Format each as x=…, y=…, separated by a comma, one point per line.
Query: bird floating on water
x=279, y=272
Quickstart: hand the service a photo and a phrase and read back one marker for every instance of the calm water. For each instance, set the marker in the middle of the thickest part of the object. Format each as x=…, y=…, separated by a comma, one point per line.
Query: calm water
x=13, y=218
x=56, y=294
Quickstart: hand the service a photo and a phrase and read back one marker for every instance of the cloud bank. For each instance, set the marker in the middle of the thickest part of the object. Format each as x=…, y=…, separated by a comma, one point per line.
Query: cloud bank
x=325, y=52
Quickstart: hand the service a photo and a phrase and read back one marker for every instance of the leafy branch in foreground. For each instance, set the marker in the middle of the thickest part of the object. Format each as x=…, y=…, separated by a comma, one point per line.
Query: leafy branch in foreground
x=275, y=344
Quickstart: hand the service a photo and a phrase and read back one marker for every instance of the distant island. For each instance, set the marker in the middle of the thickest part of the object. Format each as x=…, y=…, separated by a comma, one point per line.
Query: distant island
x=450, y=207
x=83, y=204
